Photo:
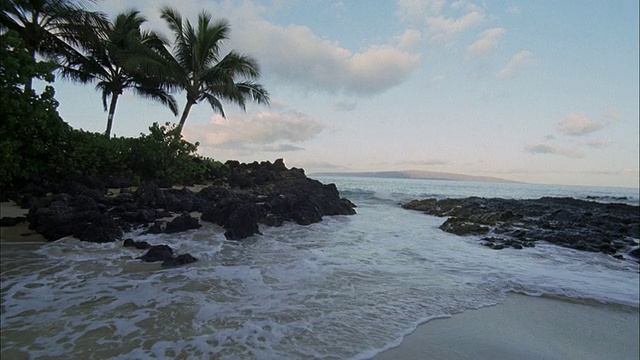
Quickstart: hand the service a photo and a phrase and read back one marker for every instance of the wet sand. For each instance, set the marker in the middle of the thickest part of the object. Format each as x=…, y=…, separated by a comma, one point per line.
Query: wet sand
x=527, y=327
x=19, y=233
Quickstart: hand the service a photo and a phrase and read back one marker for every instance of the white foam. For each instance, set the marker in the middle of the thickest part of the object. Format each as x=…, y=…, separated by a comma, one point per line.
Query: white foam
x=347, y=287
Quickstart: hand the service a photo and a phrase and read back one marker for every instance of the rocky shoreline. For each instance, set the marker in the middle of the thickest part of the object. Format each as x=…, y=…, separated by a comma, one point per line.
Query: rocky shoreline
x=610, y=228
x=240, y=197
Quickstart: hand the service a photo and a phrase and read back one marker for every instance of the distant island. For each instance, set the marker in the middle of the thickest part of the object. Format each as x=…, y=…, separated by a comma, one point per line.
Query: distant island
x=416, y=174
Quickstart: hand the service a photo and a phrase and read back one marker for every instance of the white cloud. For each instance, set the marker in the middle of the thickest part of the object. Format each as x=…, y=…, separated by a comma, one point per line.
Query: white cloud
x=443, y=28
x=443, y=21
x=599, y=144
x=613, y=114
x=418, y=10
x=578, y=124
x=294, y=53
x=545, y=148
x=487, y=40
x=264, y=131
x=409, y=39
x=517, y=62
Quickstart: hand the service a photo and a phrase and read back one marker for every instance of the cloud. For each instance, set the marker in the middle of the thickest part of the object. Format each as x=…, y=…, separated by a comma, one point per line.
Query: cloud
x=613, y=114
x=514, y=10
x=578, y=124
x=345, y=106
x=295, y=53
x=487, y=40
x=599, y=144
x=409, y=39
x=280, y=148
x=265, y=131
x=518, y=61
x=443, y=21
x=418, y=10
x=544, y=148
x=443, y=29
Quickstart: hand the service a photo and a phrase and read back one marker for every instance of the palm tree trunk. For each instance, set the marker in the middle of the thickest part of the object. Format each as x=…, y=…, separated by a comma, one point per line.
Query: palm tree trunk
x=112, y=111
x=183, y=118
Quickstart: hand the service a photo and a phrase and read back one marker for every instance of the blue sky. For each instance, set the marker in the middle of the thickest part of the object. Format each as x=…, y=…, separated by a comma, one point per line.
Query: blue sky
x=534, y=91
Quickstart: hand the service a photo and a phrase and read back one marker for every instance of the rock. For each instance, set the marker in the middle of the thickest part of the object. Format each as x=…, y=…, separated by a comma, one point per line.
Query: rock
x=8, y=221
x=242, y=222
x=157, y=253
x=635, y=253
x=149, y=195
x=140, y=216
x=179, y=260
x=242, y=196
x=136, y=244
x=156, y=228
x=462, y=226
x=573, y=223
x=102, y=229
x=181, y=223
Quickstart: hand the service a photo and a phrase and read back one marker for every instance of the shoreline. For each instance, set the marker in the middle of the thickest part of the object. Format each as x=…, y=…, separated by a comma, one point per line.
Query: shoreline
x=526, y=327
x=19, y=233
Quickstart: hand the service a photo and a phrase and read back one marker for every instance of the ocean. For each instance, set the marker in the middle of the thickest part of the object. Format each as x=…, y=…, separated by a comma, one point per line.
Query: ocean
x=348, y=287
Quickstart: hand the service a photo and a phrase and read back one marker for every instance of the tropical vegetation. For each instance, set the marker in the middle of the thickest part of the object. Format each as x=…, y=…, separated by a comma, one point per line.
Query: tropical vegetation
x=122, y=56
x=39, y=38
x=198, y=68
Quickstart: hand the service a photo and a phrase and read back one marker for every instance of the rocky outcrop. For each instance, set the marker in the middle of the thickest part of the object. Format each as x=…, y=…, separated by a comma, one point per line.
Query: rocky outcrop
x=162, y=253
x=241, y=197
x=610, y=228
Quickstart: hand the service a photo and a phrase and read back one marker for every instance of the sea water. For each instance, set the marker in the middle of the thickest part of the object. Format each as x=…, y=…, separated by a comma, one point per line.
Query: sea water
x=347, y=287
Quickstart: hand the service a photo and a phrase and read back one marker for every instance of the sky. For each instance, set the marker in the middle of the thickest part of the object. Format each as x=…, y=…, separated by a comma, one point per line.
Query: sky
x=539, y=91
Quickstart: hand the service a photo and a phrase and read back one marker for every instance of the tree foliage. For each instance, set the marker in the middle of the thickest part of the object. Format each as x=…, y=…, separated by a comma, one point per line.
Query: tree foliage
x=31, y=127
x=198, y=68
x=119, y=57
x=50, y=28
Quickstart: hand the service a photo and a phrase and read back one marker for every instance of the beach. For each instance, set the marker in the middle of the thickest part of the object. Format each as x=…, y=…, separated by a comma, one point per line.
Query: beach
x=348, y=287
x=20, y=232
x=527, y=327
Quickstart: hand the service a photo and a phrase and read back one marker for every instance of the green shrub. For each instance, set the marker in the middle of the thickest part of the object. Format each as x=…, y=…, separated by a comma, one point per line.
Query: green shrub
x=32, y=132
x=35, y=143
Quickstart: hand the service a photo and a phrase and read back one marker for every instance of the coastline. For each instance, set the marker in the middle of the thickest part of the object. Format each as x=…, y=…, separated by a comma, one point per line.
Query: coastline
x=526, y=327
x=19, y=233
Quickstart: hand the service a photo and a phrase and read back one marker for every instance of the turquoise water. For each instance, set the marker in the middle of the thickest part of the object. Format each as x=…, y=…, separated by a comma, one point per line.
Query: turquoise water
x=347, y=287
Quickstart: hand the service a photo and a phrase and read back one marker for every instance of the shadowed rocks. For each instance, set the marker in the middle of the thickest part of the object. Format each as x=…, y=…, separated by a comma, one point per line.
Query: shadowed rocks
x=610, y=228
x=242, y=197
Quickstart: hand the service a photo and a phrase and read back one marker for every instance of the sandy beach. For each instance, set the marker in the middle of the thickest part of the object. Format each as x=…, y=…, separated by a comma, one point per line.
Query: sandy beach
x=20, y=232
x=526, y=327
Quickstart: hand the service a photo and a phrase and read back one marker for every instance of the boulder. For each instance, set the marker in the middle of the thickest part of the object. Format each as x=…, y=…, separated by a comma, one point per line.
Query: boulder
x=179, y=260
x=8, y=221
x=181, y=223
x=103, y=229
x=136, y=244
x=157, y=253
x=242, y=221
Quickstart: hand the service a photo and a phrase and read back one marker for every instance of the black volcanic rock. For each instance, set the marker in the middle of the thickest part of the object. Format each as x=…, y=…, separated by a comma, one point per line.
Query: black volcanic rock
x=157, y=253
x=240, y=197
x=179, y=260
x=181, y=223
x=583, y=225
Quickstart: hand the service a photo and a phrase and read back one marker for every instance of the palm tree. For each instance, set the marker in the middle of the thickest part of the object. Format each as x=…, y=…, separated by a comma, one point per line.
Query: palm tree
x=49, y=27
x=122, y=57
x=198, y=68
